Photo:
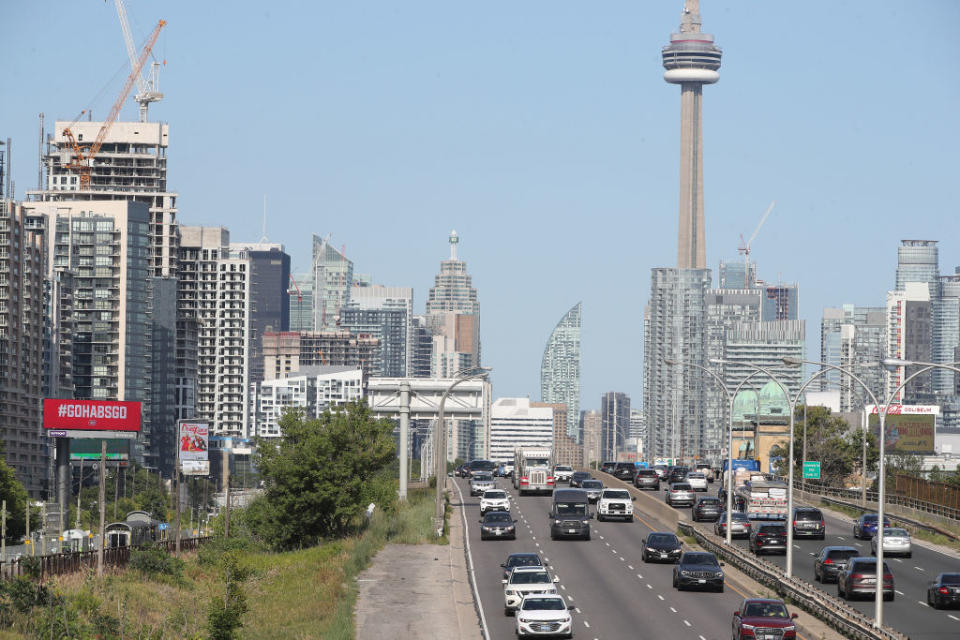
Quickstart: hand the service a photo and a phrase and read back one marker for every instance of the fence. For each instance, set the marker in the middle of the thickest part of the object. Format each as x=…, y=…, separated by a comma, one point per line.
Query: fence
x=57, y=564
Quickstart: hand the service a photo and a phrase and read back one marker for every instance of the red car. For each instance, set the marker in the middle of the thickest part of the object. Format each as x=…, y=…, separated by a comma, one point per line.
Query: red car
x=762, y=618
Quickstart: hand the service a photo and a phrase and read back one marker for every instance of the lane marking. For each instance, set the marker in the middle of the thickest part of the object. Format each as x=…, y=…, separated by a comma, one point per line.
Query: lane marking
x=840, y=538
x=898, y=592
x=672, y=609
x=687, y=623
x=564, y=587
x=621, y=559
x=917, y=568
x=648, y=586
x=953, y=617
x=586, y=624
x=923, y=603
x=630, y=566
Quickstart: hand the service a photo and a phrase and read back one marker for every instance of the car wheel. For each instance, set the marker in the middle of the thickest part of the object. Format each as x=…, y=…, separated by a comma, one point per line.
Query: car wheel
x=599, y=518
x=675, y=581
x=840, y=593
x=720, y=588
x=822, y=536
x=909, y=554
x=888, y=598
x=643, y=556
x=816, y=575
x=587, y=537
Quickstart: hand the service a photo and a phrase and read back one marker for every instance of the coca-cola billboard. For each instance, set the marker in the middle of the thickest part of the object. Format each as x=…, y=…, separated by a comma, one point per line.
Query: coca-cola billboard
x=91, y=418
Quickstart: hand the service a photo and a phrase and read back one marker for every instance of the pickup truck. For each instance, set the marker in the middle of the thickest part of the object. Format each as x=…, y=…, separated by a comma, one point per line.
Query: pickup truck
x=615, y=503
x=562, y=473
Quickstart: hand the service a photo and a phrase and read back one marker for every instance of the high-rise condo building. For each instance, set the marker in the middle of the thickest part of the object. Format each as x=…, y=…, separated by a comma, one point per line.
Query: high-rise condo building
x=737, y=275
x=560, y=368
x=918, y=261
x=615, y=416
x=853, y=338
x=765, y=344
x=780, y=302
x=300, y=293
x=908, y=338
x=691, y=60
x=453, y=316
x=384, y=313
x=592, y=423
x=332, y=276
x=313, y=389
x=22, y=349
x=285, y=354
x=565, y=449
x=515, y=423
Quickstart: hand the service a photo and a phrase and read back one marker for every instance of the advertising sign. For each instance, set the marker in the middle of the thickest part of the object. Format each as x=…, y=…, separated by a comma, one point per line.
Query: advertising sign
x=87, y=449
x=91, y=418
x=909, y=428
x=193, y=447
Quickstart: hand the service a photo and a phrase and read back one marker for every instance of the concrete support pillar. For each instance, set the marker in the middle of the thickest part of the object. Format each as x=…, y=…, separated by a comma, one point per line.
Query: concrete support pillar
x=404, y=437
x=63, y=479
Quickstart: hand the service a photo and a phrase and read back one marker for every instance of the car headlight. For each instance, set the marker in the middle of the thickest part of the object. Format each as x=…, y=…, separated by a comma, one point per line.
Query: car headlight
x=748, y=627
x=790, y=628
x=523, y=620
x=510, y=592
x=651, y=549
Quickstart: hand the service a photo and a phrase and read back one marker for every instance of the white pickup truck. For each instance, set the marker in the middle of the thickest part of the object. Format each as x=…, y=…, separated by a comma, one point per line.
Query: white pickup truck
x=615, y=503
x=562, y=473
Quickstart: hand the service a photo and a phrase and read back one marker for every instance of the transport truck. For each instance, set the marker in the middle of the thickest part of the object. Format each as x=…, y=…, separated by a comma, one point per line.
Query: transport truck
x=533, y=470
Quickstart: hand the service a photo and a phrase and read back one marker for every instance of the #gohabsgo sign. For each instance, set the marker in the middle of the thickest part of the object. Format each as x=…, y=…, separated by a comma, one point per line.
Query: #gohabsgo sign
x=193, y=448
x=91, y=418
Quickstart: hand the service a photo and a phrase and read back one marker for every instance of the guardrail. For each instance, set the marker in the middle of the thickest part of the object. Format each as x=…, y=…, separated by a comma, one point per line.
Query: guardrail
x=834, y=612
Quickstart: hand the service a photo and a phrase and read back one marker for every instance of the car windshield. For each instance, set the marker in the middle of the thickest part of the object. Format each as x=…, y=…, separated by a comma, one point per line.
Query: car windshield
x=524, y=561
x=592, y=484
x=662, y=538
x=571, y=509
x=709, y=501
x=681, y=486
x=868, y=566
x=896, y=533
x=581, y=475
x=529, y=577
x=705, y=559
x=498, y=517
x=537, y=462
x=542, y=604
x=616, y=494
x=869, y=518
x=808, y=515
x=843, y=554
x=950, y=578
x=482, y=477
x=647, y=473
x=765, y=610
x=773, y=529
x=494, y=495
x=561, y=467
x=696, y=476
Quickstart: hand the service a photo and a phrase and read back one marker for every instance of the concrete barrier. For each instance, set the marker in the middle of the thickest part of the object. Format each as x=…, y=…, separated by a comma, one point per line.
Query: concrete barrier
x=650, y=502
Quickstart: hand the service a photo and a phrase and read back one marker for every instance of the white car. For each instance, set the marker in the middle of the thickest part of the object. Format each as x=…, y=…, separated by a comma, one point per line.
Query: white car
x=562, y=473
x=895, y=541
x=494, y=500
x=697, y=481
x=544, y=615
x=524, y=581
x=615, y=503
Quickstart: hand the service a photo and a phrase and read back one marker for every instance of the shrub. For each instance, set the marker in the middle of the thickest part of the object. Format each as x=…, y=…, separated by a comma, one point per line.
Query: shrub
x=154, y=562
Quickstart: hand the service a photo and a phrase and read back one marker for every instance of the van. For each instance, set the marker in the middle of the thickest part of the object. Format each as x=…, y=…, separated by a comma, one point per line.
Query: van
x=570, y=514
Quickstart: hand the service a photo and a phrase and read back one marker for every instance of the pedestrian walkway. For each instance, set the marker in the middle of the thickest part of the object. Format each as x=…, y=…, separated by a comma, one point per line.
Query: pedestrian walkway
x=419, y=591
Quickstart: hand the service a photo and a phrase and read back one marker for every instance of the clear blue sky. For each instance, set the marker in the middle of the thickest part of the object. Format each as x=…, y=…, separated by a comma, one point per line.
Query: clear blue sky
x=543, y=132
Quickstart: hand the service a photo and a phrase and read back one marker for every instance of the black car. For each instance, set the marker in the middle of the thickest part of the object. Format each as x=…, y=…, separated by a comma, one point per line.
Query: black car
x=706, y=509
x=498, y=524
x=525, y=559
x=475, y=466
x=698, y=569
x=624, y=471
x=859, y=577
x=767, y=537
x=944, y=591
x=809, y=522
x=831, y=560
x=661, y=547
x=608, y=467
x=576, y=480
x=677, y=474
x=647, y=479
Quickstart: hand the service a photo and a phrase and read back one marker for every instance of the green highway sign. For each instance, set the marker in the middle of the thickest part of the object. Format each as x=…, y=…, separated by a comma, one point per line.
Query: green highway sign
x=811, y=470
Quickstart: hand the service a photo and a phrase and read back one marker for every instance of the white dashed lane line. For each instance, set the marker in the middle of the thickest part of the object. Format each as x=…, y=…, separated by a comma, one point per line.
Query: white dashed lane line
x=630, y=566
x=899, y=593
x=953, y=617
x=586, y=624
x=673, y=610
x=651, y=587
x=660, y=596
x=917, y=568
x=923, y=603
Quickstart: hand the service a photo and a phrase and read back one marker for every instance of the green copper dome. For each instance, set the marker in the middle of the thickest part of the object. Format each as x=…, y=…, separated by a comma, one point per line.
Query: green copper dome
x=745, y=406
x=773, y=402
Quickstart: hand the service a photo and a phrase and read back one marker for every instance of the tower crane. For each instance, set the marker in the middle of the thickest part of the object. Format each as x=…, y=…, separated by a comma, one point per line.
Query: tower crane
x=146, y=89
x=744, y=247
x=83, y=158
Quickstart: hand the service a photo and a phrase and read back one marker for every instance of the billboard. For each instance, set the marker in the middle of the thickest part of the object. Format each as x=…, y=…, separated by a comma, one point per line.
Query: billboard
x=909, y=428
x=193, y=447
x=118, y=451
x=91, y=418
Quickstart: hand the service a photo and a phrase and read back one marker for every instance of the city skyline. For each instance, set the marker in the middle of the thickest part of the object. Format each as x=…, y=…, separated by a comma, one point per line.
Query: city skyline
x=543, y=138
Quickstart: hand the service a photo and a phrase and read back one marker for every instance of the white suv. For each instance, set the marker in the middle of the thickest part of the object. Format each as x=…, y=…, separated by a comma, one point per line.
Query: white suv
x=494, y=500
x=544, y=615
x=524, y=581
x=615, y=503
x=562, y=473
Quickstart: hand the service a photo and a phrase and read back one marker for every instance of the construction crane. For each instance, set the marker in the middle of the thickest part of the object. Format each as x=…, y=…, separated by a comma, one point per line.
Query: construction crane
x=744, y=247
x=146, y=89
x=83, y=162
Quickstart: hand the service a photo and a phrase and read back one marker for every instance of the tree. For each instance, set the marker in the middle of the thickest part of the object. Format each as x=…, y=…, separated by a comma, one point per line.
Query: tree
x=321, y=475
x=16, y=496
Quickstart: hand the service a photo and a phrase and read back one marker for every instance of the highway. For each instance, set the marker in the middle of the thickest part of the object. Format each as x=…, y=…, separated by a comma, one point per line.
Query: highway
x=616, y=594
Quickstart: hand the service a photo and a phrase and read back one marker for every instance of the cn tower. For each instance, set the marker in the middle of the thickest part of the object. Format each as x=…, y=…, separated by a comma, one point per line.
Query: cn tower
x=691, y=60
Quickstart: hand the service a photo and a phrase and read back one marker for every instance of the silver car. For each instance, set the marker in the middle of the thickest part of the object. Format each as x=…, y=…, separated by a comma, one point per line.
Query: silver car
x=593, y=488
x=680, y=493
x=895, y=542
x=480, y=482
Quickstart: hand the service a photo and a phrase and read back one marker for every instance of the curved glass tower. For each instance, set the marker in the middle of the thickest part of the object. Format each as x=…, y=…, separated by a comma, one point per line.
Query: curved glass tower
x=560, y=368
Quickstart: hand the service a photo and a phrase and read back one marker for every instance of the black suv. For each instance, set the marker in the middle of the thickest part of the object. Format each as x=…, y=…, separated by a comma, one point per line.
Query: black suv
x=647, y=479
x=698, y=569
x=608, y=467
x=677, y=474
x=831, y=561
x=767, y=537
x=808, y=521
x=576, y=480
x=706, y=509
x=624, y=471
x=661, y=547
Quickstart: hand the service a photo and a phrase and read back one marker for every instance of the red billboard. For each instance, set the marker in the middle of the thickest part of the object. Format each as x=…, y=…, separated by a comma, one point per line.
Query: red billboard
x=76, y=416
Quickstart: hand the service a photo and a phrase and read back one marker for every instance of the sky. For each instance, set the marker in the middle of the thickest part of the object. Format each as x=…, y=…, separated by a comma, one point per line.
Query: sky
x=542, y=131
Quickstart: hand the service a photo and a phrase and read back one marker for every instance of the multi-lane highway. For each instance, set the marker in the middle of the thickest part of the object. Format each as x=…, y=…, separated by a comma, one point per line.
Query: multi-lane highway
x=618, y=596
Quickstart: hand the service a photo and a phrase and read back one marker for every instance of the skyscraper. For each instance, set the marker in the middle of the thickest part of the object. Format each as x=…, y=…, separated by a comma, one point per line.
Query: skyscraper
x=853, y=338
x=909, y=338
x=384, y=313
x=691, y=60
x=918, y=261
x=453, y=316
x=332, y=276
x=560, y=368
x=615, y=416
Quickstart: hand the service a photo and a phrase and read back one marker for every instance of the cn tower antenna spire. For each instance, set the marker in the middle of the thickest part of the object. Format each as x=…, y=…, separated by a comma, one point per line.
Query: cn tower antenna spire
x=691, y=60
x=454, y=239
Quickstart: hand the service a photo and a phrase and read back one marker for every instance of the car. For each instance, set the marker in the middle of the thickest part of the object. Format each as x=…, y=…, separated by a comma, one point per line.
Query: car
x=578, y=477
x=763, y=618
x=697, y=481
x=661, y=470
x=944, y=591
x=647, y=479
x=661, y=546
x=615, y=504
x=706, y=509
x=608, y=467
x=569, y=514
x=679, y=493
x=507, y=469
x=865, y=527
x=859, y=577
x=500, y=471
x=706, y=470
x=474, y=466
x=498, y=524
x=562, y=473
x=480, y=481
x=494, y=500
x=624, y=471
x=593, y=488
x=808, y=521
x=459, y=471
x=698, y=569
x=525, y=581
x=768, y=537
x=896, y=542
x=677, y=474
x=522, y=559
x=544, y=615
x=740, y=525
x=831, y=560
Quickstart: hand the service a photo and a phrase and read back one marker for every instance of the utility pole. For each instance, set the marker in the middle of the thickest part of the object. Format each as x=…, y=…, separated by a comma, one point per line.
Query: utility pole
x=404, y=436
x=103, y=506
x=29, y=541
x=226, y=491
x=79, y=490
x=176, y=494
x=3, y=533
